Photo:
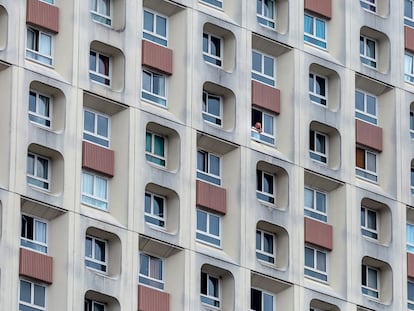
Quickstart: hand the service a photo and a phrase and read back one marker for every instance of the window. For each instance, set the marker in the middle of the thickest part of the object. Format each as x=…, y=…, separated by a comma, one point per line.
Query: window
x=39, y=46
x=369, y=5
x=316, y=263
x=94, y=190
x=412, y=124
x=265, y=246
x=95, y=254
x=410, y=237
x=33, y=233
x=32, y=296
x=265, y=11
x=155, y=149
x=101, y=11
x=263, y=126
x=210, y=290
x=154, y=87
x=212, y=49
x=38, y=171
x=318, y=89
x=370, y=281
x=412, y=181
x=367, y=51
x=155, y=27
x=409, y=13
x=208, y=228
x=318, y=146
x=217, y=3
x=261, y=300
x=369, y=223
x=40, y=109
x=265, y=187
x=48, y=1
x=366, y=164
x=410, y=294
x=212, y=108
x=155, y=210
x=315, y=204
x=408, y=67
x=366, y=107
x=208, y=167
x=151, y=270
x=315, y=31
x=100, y=68
x=91, y=305
x=96, y=128
x=263, y=68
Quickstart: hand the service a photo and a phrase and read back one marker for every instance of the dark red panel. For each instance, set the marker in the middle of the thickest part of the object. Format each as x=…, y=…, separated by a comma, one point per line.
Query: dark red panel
x=368, y=135
x=318, y=233
x=266, y=97
x=320, y=7
x=43, y=15
x=150, y=299
x=409, y=38
x=36, y=266
x=211, y=197
x=97, y=158
x=157, y=57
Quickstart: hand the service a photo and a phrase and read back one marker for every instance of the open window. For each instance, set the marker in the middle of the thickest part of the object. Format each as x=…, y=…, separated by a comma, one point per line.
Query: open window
x=324, y=144
x=216, y=288
x=96, y=301
x=271, y=185
x=324, y=87
x=376, y=280
x=374, y=49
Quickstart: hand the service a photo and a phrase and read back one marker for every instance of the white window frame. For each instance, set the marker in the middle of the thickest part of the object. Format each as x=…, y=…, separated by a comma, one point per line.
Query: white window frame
x=212, y=59
x=150, y=217
x=99, y=17
x=207, y=296
x=96, y=72
x=36, y=54
x=260, y=76
x=208, y=176
x=101, y=203
x=33, y=244
x=48, y=1
x=364, y=172
x=90, y=305
x=32, y=295
x=316, y=155
x=152, y=157
x=214, y=3
x=34, y=176
x=206, y=236
x=410, y=302
x=369, y=5
x=365, y=59
x=266, y=197
x=366, y=231
x=410, y=244
x=33, y=115
x=314, y=212
x=92, y=259
x=364, y=115
x=263, y=292
x=210, y=118
x=264, y=136
x=312, y=38
x=150, y=95
x=314, y=272
x=153, y=36
x=261, y=254
x=147, y=280
x=365, y=289
x=408, y=70
x=263, y=18
x=106, y=140
x=315, y=97
x=409, y=20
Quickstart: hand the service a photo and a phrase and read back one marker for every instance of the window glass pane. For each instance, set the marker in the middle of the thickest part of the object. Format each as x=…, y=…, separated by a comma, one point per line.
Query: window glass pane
x=215, y=46
x=268, y=8
x=148, y=24
x=25, y=291
x=104, y=65
x=359, y=101
x=309, y=260
x=88, y=247
x=45, y=44
x=320, y=143
x=256, y=300
x=410, y=234
x=214, y=105
x=146, y=81
x=410, y=291
x=158, y=145
x=256, y=61
x=148, y=142
x=147, y=203
x=205, y=42
x=105, y=7
x=214, y=225
x=408, y=8
x=361, y=45
x=144, y=264
x=268, y=243
x=309, y=198
x=268, y=124
x=43, y=105
x=213, y=286
x=371, y=105
x=268, y=183
x=92, y=61
x=202, y=221
x=321, y=261
x=98, y=307
x=42, y=168
x=258, y=239
x=256, y=116
x=158, y=206
x=370, y=48
x=155, y=268
x=159, y=85
x=372, y=219
x=39, y=295
x=100, y=187
x=214, y=165
x=320, y=86
x=100, y=250
x=320, y=202
x=32, y=102
x=87, y=183
x=320, y=29
x=40, y=231
x=31, y=39
x=311, y=82
x=268, y=66
x=372, y=278
x=102, y=126
x=30, y=164
x=161, y=26
x=371, y=165
x=267, y=302
x=201, y=162
x=89, y=121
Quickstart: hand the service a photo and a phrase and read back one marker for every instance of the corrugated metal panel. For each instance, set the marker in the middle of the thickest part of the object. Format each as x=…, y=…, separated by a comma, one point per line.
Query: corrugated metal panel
x=320, y=7
x=157, y=57
x=152, y=300
x=266, y=97
x=409, y=38
x=318, y=233
x=368, y=135
x=98, y=159
x=42, y=14
x=35, y=265
x=211, y=197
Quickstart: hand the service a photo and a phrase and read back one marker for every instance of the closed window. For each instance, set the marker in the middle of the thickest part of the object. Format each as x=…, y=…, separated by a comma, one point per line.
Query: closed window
x=265, y=11
x=315, y=31
x=151, y=271
x=261, y=300
x=409, y=13
x=155, y=149
x=369, y=221
x=32, y=296
x=38, y=171
x=33, y=233
x=408, y=67
x=94, y=190
x=155, y=210
x=263, y=126
x=369, y=5
x=318, y=89
x=155, y=27
x=265, y=190
x=366, y=164
x=101, y=11
x=316, y=263
x=366, y=107
x=96, y=251
x=370, y=281
x=412, y=124
x=315, y=204
x=99, y=68
x=412, y=181
x=40, y=109
x=318, y=146
x=154, y=87
x=368, y=51
x=212, y=108
x=39, y=46
x=208, y=228
x=265, y=246
x=410, y=294
x=208, y=167
x=92, y=305
x=216, y=3
x=210, y=290
x=212, y=49
x=96, y=127
x=410, y=237
x=263, y=68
